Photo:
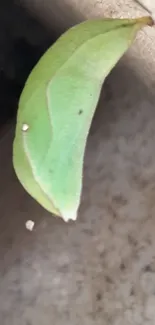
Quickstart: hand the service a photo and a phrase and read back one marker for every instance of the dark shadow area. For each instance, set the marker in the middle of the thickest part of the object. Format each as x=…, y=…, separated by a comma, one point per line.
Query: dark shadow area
x=122, y=93
x=58, y=15
x=23, y=40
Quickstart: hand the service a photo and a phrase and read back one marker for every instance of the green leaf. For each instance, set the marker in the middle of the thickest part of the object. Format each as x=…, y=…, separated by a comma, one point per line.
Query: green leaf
x=56, y=109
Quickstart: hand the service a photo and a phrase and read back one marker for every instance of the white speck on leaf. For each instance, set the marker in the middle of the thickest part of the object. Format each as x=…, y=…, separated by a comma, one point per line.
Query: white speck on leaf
x=25, y=127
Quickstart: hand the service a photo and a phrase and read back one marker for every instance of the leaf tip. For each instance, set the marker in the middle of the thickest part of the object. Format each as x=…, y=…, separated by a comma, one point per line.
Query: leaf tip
x=69, y=215
x=146, y=20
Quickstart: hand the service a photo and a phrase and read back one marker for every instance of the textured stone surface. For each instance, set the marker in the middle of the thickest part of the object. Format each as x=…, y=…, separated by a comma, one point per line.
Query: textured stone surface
x=99, y=270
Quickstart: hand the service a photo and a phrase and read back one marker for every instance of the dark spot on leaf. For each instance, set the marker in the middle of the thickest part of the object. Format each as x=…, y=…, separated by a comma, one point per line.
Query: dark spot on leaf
x=80, y=112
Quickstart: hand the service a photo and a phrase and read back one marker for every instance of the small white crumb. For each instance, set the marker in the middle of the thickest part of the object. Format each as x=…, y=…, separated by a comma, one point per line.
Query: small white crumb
x=25, y=127
x=29, y=225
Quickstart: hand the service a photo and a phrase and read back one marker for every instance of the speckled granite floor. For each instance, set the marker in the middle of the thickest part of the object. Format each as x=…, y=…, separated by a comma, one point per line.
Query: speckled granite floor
x=99, y=270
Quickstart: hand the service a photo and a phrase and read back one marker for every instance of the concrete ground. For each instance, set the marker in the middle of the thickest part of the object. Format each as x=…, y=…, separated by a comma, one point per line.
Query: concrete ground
x=99, y=270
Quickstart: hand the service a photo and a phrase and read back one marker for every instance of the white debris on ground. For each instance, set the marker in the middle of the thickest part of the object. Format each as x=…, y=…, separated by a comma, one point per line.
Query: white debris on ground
x=29, y=225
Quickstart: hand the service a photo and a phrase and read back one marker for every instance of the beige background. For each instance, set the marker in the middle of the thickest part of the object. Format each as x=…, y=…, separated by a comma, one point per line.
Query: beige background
x=99, y=270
